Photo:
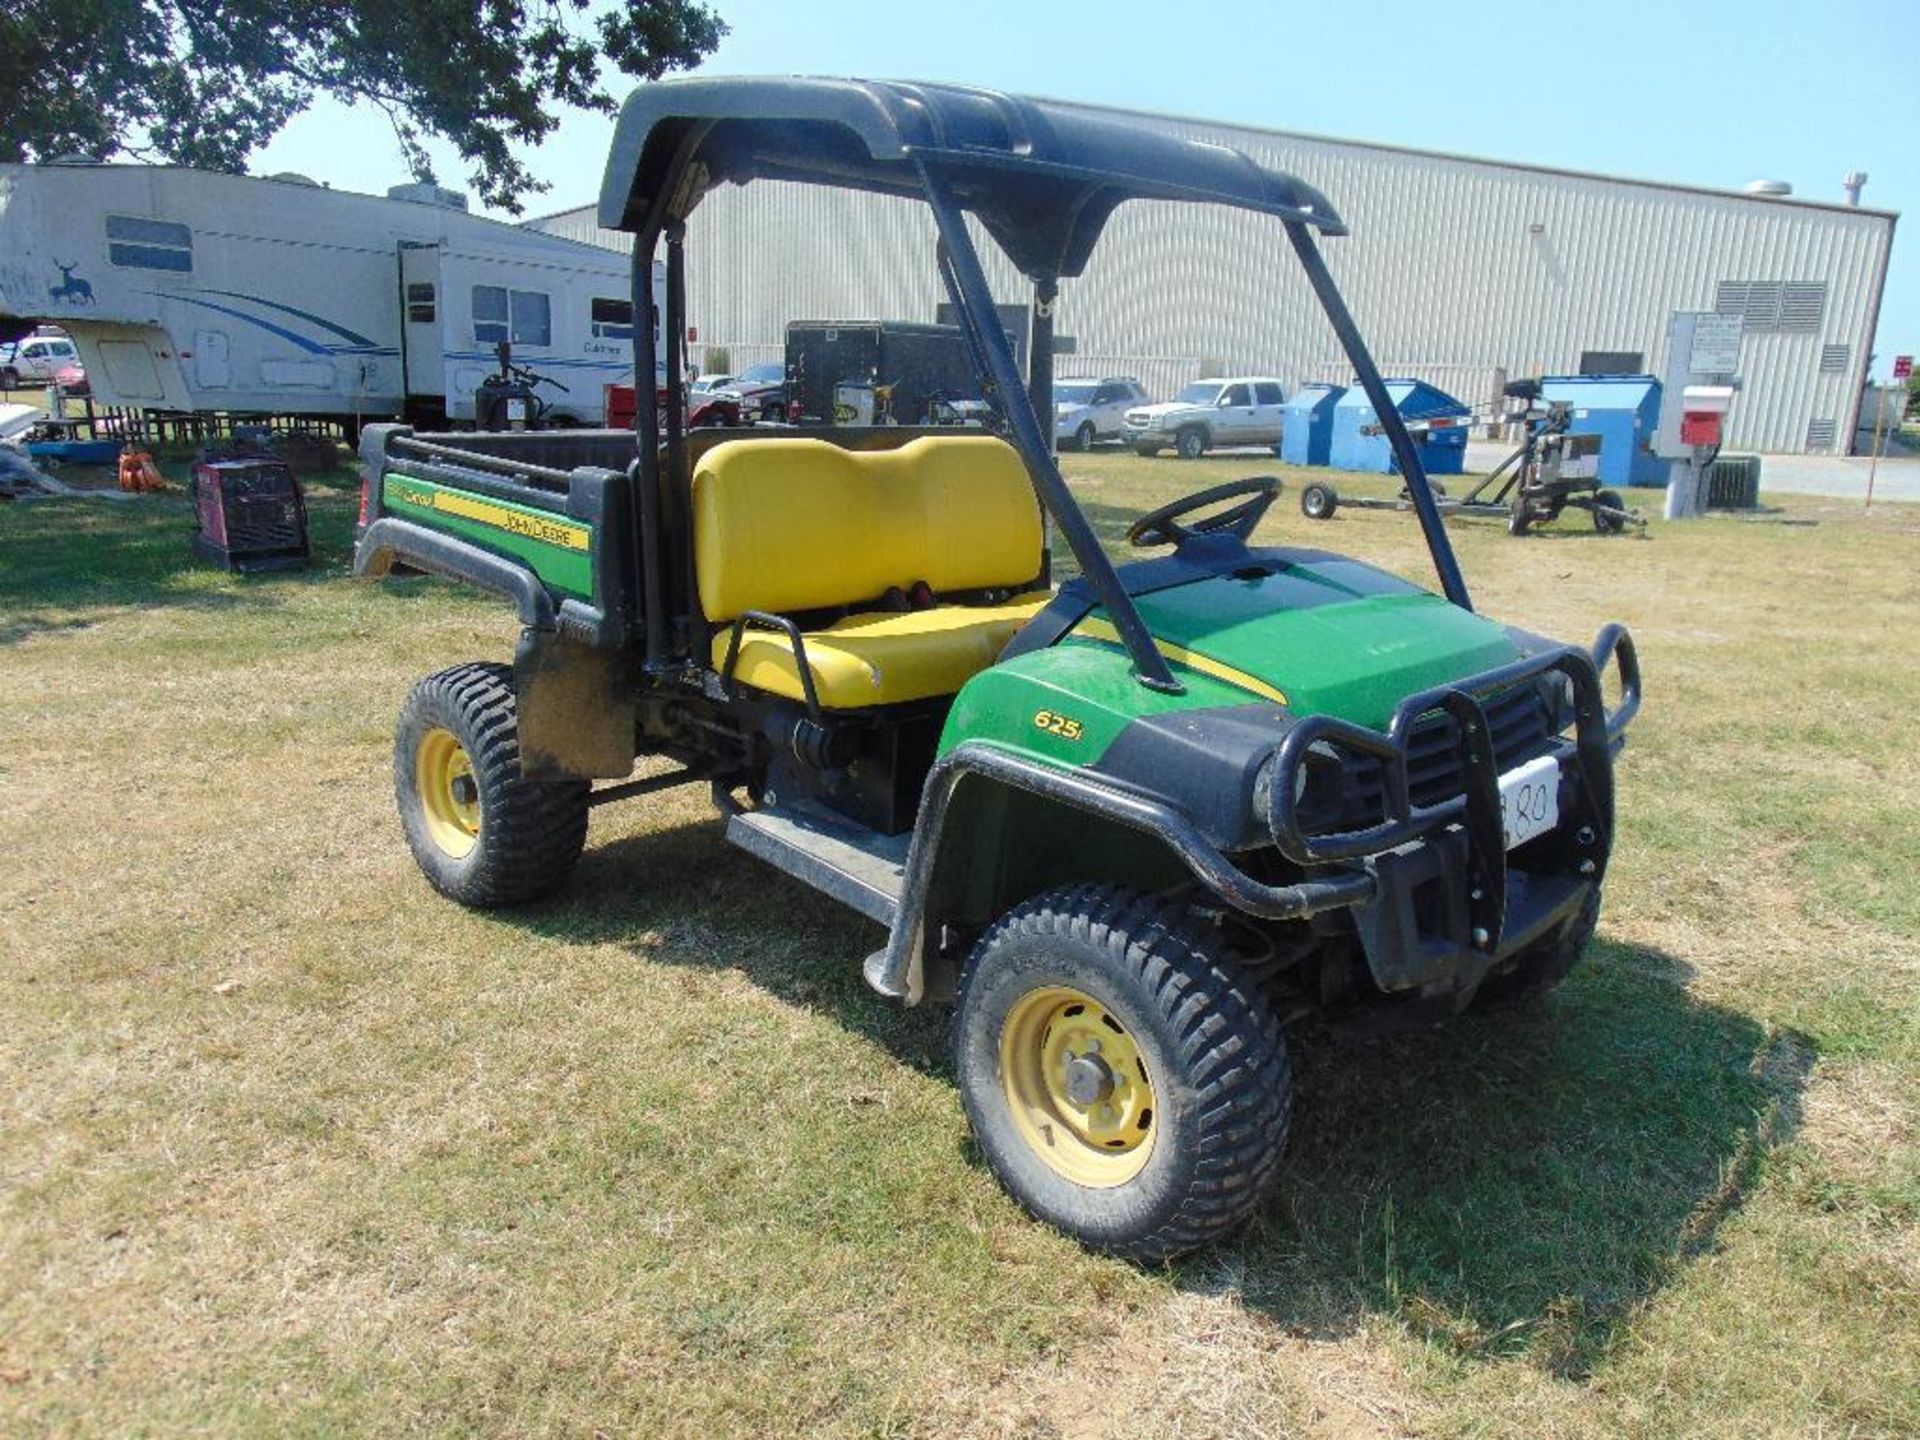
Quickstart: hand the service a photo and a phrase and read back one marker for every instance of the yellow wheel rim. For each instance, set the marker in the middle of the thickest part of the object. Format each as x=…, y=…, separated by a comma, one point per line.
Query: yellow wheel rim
x=449, y=795
x=1078, y=1088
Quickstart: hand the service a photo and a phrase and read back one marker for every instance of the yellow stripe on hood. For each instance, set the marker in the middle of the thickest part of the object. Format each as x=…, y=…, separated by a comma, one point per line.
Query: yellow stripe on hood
x=1092, y=628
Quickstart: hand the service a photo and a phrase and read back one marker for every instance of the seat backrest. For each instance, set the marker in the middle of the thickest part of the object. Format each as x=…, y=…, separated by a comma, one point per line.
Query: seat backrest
x=791, y=523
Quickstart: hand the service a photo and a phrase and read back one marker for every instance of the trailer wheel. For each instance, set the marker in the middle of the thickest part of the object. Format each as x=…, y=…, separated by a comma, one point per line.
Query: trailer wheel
x=482, y=833
x=1538, y=970
x=1608, y=524
x=1126, y=1083
x=1190, y=443
x=1318, y=501
x=1519, y=517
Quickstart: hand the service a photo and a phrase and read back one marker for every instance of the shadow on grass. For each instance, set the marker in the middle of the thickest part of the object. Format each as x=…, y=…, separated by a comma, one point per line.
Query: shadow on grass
x=1513, y=1183
x=61, y=559
x=1521, y=1182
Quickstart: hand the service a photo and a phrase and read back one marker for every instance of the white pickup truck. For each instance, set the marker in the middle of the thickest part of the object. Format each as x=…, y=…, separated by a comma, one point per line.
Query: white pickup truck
x=1209, y=414
x=35, y=360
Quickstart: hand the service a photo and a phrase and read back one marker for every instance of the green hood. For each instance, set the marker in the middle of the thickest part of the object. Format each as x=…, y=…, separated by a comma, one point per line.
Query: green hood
x=1332, y=636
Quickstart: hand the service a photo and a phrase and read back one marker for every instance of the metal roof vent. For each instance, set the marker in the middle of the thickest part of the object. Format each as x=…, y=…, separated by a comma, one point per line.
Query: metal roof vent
x=425, y=192
x=1769, y=189
x=1855, y=179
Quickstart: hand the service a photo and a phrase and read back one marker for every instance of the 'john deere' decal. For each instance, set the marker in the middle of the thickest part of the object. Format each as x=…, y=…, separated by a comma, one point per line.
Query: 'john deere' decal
x=514, y=519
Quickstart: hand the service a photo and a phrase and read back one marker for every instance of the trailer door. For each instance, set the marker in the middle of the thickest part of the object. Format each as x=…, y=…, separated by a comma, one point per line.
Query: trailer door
x=420, y=302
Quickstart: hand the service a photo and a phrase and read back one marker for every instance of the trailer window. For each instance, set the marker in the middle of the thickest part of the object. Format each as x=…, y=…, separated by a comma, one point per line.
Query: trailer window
x=420, y=303
x=612, y=319
x=143, y=244
x=524, y=317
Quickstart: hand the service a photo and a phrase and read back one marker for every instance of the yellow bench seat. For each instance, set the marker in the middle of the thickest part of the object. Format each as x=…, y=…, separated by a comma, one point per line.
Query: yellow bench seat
x=882, y=657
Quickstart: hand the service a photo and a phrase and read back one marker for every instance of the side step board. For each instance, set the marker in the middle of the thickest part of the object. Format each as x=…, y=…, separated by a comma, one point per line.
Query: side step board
x=857, y=868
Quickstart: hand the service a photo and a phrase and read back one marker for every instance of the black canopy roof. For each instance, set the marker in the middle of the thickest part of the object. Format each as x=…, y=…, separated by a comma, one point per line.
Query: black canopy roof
x=1041, y=176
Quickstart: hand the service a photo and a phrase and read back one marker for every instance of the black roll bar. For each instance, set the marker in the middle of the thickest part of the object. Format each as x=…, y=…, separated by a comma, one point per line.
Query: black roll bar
x=1411, y=470
x=646, y=430
x=973, y=303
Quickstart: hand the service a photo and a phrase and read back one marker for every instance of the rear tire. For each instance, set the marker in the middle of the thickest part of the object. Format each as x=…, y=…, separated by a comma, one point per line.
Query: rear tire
x=1190, y=443
x=1608, y=524
x=1174, y=1133
x=1539, y=969
x=1318, y=501
x=482, y=833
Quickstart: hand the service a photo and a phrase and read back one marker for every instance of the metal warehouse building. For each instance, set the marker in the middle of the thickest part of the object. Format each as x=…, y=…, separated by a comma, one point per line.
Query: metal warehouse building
x=1462, y=272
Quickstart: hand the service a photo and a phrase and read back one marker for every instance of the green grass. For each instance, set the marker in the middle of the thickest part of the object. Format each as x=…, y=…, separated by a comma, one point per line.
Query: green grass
x=288, y=1145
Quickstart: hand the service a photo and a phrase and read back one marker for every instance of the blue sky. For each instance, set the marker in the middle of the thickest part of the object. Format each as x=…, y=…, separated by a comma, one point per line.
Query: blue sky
x=1717, y=92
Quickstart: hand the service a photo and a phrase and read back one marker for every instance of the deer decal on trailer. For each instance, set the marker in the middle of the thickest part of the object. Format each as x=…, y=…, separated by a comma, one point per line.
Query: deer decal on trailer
x=70, y=291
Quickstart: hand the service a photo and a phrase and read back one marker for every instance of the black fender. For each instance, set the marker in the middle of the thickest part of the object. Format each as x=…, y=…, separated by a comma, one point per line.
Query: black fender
x=389, y=541
x=907, y=968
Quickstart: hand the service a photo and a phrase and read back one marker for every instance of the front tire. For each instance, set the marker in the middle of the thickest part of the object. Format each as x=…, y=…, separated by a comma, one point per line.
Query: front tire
x=482, y=833
x=1191, y=443
x=1126, y=1084
x=1083, y=438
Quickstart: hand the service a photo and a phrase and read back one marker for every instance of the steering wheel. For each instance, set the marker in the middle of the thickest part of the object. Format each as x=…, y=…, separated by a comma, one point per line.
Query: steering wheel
x=1163, y=527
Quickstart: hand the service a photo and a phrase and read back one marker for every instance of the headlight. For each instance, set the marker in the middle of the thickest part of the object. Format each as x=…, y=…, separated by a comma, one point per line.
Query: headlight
x=1318, y=786
x=1556, y=690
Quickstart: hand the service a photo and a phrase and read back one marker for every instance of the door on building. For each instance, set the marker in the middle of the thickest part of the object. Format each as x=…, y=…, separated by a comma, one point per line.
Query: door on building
x=420, y=302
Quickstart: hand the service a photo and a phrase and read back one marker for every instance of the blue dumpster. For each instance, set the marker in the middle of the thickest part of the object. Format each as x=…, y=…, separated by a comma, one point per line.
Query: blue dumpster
x=1307, y=435
x=1624, y=411
x=1443, y=452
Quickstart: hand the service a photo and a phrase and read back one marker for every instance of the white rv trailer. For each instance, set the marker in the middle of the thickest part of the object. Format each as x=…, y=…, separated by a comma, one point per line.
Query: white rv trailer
x=188, y=290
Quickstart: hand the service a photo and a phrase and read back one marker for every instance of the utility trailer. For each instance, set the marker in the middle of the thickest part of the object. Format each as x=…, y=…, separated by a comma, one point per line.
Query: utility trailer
x=1553, y=470
x=190, y=291
x=1123, y=822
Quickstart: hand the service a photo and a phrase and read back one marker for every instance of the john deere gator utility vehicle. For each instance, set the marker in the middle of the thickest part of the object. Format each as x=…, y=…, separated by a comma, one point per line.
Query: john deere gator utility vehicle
x=1126, y=824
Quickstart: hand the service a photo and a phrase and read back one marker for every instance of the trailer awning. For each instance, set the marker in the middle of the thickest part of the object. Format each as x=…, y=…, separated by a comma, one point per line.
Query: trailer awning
x=1042, y=177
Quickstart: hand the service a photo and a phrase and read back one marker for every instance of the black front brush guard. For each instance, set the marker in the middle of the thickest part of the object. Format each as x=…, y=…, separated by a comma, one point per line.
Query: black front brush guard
x=1597, y=734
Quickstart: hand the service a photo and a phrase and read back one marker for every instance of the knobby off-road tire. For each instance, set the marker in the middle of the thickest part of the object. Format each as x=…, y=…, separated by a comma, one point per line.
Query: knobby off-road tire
x=482, y=834
x=1539, y=969
x=1200, y=1047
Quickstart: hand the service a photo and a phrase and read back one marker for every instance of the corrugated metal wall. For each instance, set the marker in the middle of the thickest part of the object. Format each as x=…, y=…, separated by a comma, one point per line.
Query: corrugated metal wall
x=1455, y=268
